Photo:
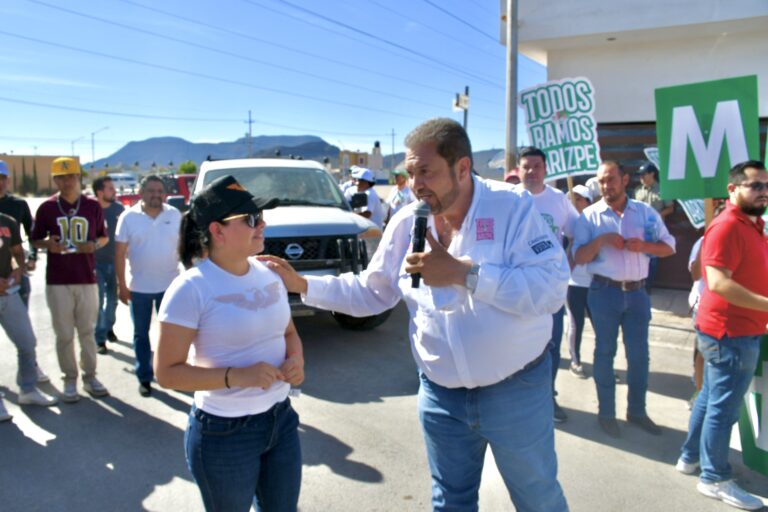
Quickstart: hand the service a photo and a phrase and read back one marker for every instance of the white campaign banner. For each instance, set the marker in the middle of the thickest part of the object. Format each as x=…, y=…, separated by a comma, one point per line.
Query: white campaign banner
x=560, y=120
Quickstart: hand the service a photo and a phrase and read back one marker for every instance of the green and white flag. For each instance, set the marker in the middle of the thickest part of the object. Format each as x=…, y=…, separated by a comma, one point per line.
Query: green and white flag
x=753, y=423
x=703, y=130
x=693, y=208
x=560, y=119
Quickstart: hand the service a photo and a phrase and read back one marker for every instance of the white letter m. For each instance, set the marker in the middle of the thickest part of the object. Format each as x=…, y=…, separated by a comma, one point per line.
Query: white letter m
x=726, y=125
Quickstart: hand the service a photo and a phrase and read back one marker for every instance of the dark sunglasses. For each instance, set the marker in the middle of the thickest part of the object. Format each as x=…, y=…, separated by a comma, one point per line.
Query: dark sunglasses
x=757, y=186
x=251, y=219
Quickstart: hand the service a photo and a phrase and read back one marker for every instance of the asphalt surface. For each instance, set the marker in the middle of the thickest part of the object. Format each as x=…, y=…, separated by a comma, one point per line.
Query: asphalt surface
x=361, y=441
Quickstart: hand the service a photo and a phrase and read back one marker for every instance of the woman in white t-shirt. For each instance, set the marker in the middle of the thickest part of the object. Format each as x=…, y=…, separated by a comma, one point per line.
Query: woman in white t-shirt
x=226, y=334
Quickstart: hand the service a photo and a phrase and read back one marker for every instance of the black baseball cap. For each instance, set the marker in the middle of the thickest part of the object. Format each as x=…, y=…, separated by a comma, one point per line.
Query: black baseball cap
x=647, y=167
x=225, y=197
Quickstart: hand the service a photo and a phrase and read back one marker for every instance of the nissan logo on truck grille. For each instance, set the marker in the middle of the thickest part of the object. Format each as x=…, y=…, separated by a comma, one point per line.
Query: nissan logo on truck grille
x=294, y=251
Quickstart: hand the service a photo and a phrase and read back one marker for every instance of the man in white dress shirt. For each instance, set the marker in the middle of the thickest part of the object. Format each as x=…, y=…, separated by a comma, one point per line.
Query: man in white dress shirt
x=480, y=322
x=615, y=237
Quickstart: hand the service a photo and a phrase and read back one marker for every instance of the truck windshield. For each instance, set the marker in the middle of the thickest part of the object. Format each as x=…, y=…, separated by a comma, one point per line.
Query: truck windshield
x=293, y=186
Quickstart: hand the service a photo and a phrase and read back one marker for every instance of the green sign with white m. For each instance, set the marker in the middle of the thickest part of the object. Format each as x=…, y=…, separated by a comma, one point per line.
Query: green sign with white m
x=702, y=130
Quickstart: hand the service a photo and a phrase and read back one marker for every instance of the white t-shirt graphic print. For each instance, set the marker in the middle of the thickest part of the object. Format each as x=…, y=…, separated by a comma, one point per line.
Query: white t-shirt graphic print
x=240, y=321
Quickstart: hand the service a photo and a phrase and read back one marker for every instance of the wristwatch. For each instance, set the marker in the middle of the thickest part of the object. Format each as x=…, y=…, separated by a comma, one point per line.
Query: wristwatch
x=470, y=282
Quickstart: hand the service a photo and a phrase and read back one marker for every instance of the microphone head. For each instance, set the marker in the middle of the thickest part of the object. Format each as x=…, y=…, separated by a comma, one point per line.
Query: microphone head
x=422, y=209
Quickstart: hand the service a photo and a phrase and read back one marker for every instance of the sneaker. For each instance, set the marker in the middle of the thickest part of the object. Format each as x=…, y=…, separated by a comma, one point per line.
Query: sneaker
x=35, y=397
x=111, y=336
x=145, y=389
x=95, y=388
x=730, y=493
x=70, y=394
x=42, y=378
x=610, y=426
x=578, y=371
x=687, y=468
x=102, y=349
x=645, y=423
x=4, y=414
x=559, y=415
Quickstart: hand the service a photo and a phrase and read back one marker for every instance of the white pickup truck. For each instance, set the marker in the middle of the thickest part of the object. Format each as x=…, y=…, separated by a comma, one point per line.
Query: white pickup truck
x=313, y=227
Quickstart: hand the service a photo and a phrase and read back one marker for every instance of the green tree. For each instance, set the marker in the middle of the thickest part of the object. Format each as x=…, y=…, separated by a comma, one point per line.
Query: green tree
x=34, y=176
x=23, y=186
x=188, y=167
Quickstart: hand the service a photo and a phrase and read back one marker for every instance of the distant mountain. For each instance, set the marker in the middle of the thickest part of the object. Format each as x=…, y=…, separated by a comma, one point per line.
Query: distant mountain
x=162, y=150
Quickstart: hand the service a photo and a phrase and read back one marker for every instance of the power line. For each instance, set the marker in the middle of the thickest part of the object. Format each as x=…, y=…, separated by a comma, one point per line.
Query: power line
x=427, y=58
x=452, y=37
x=464, y=22
x=366, y=108
x=316, y=56
x=169, y=118
x=231, y=54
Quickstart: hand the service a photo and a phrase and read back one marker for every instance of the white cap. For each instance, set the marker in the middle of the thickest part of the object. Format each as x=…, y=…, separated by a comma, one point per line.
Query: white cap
x=361, y=173
x=583, y=192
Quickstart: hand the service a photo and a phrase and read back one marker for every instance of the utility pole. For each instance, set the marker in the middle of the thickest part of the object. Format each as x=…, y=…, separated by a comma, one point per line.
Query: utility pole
x=250, y=136
x=511, y=149
x=73, y=144
x=393, y=150
x=93, y=142
x=461, y=103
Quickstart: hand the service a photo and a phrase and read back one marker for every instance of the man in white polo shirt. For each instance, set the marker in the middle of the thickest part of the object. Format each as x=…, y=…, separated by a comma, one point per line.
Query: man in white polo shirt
x=148, y=234
x=561, y=216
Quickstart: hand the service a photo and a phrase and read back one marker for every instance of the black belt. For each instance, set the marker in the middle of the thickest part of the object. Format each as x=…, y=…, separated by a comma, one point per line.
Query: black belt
x=626, y=286
x=533, y=363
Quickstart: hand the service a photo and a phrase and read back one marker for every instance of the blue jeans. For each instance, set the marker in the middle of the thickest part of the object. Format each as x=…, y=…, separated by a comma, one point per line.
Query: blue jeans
x=25, y=290
x=514, y=416
x=141, y=314
x=612, y=308
x=107, y=281
x=729, y=366
x=247, y=460
x=14, y=319
x=556, y=341
x=577, y=310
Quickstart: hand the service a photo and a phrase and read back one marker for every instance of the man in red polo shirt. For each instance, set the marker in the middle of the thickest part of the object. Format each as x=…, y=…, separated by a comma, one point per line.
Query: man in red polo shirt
x=731, y=319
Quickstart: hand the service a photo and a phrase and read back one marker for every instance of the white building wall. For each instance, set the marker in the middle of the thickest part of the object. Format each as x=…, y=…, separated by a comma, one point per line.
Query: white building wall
x=628, y=48
x=625, y=76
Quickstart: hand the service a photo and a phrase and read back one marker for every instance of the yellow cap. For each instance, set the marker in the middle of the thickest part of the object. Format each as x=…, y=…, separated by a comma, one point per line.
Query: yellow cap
x=63, y=166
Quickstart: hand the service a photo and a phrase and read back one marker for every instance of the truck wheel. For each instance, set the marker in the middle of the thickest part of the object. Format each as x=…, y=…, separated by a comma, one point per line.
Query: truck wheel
x=365, y=323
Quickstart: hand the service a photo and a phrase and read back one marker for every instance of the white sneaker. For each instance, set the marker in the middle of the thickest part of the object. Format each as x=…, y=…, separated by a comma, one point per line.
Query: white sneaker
x=42, y=377
x=35, y=397
x=730, y=493
x=687, y=468
x=70, y=395
x=95, y=388
x=4, y=414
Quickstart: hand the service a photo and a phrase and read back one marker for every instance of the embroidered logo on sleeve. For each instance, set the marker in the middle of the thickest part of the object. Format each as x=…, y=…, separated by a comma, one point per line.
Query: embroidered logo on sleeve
x=484, y=229
x=540, y=244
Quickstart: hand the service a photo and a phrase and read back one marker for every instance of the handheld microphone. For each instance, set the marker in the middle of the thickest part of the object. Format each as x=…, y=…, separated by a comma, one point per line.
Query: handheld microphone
x=419, y=236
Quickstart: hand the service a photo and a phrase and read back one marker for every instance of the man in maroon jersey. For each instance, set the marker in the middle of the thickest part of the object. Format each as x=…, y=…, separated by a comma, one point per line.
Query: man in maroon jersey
x=70, y=227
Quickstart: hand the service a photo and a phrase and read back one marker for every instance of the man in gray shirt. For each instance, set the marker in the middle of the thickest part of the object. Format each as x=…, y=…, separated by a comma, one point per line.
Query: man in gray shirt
x=105, y=263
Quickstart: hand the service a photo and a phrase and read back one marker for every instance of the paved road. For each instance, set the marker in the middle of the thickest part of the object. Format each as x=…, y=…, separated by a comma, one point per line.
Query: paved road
x=362, y=444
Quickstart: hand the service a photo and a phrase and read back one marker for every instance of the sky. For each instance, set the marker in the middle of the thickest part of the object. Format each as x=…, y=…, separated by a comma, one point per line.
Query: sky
x=73, y=72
